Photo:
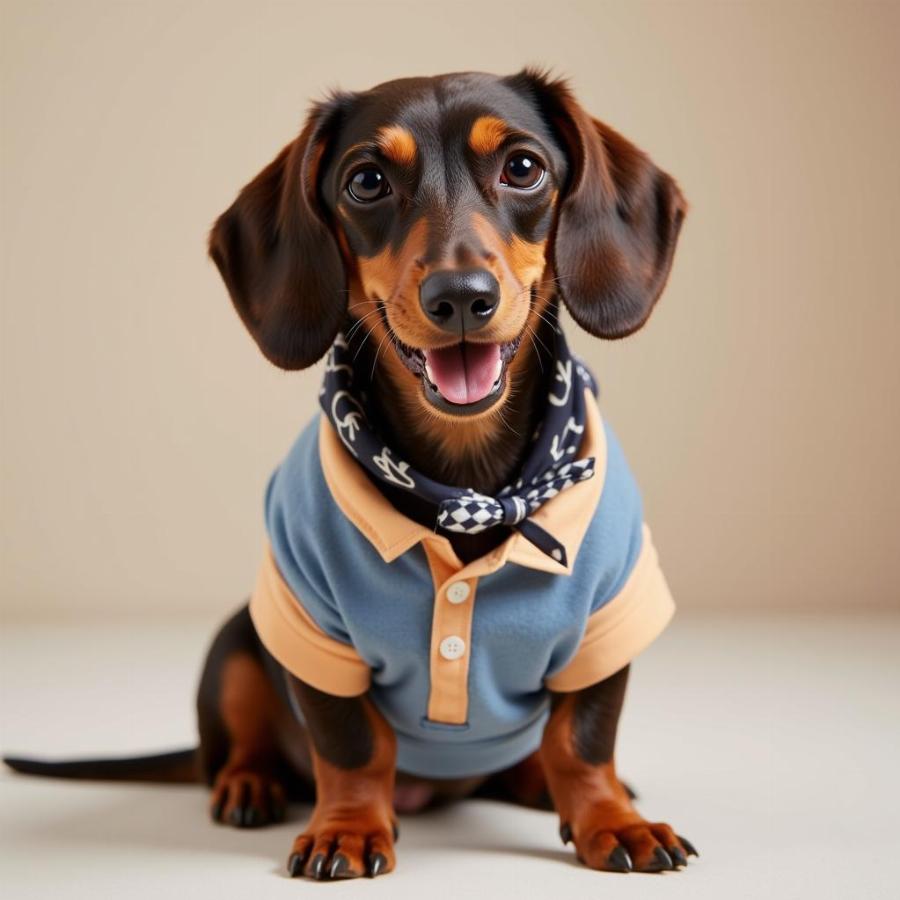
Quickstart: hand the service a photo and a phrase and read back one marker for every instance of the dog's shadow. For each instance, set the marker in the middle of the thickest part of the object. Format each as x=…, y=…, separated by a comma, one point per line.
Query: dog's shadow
x=176, y=820
x=148, y=817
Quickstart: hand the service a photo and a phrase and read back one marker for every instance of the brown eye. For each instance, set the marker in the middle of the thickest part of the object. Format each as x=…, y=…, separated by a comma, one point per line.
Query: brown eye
x=368, y=184
x=522, y=171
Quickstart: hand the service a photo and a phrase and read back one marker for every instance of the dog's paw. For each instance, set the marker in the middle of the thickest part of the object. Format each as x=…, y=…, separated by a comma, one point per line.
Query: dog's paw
x=247, y=799
x=637, y=847
x=343, y=851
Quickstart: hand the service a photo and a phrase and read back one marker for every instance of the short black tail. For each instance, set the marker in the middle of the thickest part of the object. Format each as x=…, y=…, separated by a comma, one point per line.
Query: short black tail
x=176, y=767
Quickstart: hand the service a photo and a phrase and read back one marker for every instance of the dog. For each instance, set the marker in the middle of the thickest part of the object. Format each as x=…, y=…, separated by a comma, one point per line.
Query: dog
x=423, y=235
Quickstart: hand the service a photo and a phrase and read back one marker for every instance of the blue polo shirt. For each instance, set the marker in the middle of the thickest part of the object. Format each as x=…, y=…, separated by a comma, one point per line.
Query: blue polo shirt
x=353, y=597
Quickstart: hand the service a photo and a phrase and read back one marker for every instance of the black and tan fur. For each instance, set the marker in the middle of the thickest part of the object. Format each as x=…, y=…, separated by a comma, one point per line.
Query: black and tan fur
x=302, y=260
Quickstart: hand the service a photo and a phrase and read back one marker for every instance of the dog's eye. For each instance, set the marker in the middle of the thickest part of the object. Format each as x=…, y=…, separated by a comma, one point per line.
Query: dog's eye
x=368, y=184
x=522, y=171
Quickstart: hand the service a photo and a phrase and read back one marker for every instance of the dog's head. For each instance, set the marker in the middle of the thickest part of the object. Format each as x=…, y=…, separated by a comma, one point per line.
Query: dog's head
x=440, y=214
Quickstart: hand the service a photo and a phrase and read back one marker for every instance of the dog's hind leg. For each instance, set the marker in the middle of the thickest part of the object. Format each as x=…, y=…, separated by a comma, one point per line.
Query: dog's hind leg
x=239, y=711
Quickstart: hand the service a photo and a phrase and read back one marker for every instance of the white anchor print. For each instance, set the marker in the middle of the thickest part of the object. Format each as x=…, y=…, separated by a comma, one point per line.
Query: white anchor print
x=563, y=374
x=349, y=424
x=330, y=365
x=393, y=471
x=558, y=439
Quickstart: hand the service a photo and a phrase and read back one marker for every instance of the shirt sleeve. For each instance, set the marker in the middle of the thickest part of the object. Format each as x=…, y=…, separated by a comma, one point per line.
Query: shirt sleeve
x=621, y=628
x=296, y=640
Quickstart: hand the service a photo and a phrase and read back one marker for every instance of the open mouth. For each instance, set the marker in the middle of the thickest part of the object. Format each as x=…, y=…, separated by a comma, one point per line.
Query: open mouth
x=463, y=378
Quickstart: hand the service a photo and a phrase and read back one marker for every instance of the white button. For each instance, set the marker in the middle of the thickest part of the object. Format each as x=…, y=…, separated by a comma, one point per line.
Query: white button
x=458, y=592
x=452, y=647
x=556, y=554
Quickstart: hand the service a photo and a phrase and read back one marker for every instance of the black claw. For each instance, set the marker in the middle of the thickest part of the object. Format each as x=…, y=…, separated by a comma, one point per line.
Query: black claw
x=278, y=813
x=632, y=794
x=319, y=872
x=661, y=861
x=217, y=810
x=340, y=866
x=688, y=846
x=295, y=865
x=236, y=817
x=252, y=817
x=377, y=862
x=619, y=860
x=395, y=828
x=678, y=858
x=565, y=832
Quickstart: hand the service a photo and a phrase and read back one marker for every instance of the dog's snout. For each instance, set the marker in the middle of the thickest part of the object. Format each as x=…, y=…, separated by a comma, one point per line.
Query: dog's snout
x=460, y=301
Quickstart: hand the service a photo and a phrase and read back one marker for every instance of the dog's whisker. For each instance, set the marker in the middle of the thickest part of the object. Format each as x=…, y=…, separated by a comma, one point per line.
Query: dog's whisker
x=361, y=303
x=356, y=325
x=387, y=336
x=549, y=309
x=537, y=353
x=551, y=321
x=361, y=345
x=354, y=306
x=509, y=427
x=368, y=315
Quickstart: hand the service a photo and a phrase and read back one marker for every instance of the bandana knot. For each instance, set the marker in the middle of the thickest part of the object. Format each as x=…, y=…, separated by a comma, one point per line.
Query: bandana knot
x=473, y=512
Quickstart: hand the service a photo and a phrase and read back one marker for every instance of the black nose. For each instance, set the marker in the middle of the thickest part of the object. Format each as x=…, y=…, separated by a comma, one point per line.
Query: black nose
x=460, y=301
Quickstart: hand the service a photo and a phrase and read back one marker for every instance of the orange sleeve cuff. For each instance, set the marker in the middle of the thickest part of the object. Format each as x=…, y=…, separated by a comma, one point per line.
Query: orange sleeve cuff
x=618, y=631
x=291, y=635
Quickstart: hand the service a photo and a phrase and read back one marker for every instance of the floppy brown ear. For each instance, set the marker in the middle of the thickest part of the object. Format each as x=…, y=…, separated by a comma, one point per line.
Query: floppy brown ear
x=279, y=258
x=618, y=220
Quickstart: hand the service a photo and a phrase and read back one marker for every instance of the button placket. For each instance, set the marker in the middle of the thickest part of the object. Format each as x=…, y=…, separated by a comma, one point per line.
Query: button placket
x=455, y=586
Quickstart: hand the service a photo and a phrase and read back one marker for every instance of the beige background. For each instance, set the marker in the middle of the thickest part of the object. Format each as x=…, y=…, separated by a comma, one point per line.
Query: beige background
x=759, y=407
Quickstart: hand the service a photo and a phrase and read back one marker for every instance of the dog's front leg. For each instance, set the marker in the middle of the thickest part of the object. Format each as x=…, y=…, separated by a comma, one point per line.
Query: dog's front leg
x=595, y=809
x=351, y=831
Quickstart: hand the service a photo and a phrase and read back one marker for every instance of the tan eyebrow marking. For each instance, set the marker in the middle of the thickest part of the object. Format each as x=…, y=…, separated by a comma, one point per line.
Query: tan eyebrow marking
x=397, y=144
x=487, y=134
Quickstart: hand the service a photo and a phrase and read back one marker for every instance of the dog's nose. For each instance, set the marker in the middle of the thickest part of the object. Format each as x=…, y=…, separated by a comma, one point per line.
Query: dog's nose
x=460, y=301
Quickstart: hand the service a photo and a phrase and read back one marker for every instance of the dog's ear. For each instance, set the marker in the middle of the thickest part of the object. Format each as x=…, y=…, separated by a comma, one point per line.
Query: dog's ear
x=618, y=220
x=278, y=256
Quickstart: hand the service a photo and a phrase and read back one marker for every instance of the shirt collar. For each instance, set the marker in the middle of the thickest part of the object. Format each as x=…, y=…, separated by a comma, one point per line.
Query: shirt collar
x=566, y=516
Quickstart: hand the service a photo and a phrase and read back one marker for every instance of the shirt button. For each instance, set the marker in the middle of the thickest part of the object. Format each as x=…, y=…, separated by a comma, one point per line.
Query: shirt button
x=452, y=647
x=458, y=592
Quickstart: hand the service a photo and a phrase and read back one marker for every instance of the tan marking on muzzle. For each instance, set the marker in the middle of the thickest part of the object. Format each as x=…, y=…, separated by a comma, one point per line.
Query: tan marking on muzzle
x=525, y=261
x=386, y=274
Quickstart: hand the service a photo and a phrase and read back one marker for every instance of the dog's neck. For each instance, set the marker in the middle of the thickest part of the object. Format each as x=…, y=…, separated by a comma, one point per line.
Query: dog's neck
x=484, y=453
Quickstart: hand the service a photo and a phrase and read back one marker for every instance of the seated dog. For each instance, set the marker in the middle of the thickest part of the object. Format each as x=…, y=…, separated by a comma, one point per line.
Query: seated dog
x=458, y=573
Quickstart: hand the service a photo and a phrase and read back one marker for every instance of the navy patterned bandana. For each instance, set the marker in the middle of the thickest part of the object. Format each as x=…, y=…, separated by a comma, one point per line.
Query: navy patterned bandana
x=550, y=466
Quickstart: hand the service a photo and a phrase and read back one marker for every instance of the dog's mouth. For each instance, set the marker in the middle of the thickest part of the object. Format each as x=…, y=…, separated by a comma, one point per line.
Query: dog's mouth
x=461, y=379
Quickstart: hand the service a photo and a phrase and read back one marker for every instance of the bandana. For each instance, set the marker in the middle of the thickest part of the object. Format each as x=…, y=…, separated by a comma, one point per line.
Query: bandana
x=550, y=464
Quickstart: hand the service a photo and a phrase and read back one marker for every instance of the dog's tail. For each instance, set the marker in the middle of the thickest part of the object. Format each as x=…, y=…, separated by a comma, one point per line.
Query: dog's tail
x=175, y=767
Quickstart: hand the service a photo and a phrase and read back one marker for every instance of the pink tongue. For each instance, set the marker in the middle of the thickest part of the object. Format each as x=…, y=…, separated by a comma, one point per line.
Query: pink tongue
x=464, y=373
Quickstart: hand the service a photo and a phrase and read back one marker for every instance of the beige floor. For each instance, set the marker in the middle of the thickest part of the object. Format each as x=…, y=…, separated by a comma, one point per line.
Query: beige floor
x=772, y=743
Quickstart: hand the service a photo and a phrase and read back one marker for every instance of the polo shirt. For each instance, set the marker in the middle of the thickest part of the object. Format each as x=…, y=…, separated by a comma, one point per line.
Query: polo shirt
x=354, y=597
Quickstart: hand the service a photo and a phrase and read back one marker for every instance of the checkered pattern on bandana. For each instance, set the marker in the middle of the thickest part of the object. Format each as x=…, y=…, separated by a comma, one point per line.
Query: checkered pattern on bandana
x=550, y=466
x=473, y=512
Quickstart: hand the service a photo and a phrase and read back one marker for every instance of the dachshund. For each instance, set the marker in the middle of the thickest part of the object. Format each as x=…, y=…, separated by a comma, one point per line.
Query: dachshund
x=434, y=226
